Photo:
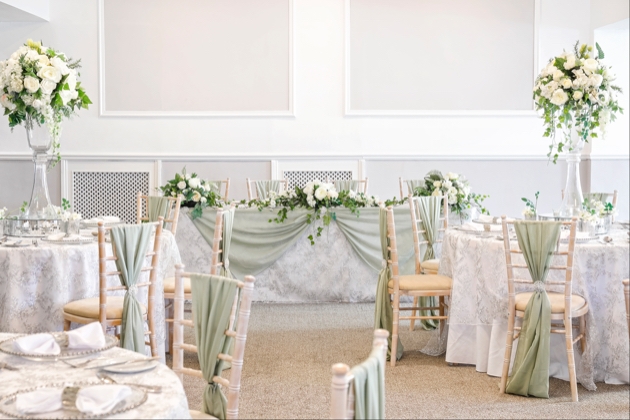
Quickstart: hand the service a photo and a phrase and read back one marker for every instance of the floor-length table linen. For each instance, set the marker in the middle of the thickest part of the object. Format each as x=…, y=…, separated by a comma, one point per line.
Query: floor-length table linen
x=478, y=311
x=37, y=281
x=171, y=403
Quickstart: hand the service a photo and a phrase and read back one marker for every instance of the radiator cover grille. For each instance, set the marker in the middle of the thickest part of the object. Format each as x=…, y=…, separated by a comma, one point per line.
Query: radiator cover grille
x=301, y=178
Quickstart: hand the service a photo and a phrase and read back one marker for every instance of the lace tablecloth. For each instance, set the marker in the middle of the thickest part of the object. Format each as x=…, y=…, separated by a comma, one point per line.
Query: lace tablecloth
x=37, y=281
x=478, y=316
x=170, y=403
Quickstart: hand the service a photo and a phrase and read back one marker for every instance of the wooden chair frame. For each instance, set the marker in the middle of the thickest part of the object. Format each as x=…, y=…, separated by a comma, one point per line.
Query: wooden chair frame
x=417, y=231
x=215, y=265
x=225, y=182
x=362, y=183
x=626, y=292
x=401, y=185
x=237, y=330
x=565, y=317
x=342, y=397
x=154, y=253
x=251, y=191
x=397, y=292
x=173, y=212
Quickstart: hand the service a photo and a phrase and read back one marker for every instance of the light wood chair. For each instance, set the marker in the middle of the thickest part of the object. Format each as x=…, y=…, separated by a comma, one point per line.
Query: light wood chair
x=342, y=395
x=402, y=184
x=171, y=217
x=362, y=184
x=609, y=195
x=108, y=309
x=429, y=266
x=252, y=191
x=237, y=329
x=564, y=306
x=169, y=282
x=415, y=285
x=626, y=292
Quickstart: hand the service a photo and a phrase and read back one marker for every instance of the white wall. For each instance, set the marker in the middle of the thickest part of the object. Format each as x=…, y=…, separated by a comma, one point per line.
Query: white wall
x=319, y=127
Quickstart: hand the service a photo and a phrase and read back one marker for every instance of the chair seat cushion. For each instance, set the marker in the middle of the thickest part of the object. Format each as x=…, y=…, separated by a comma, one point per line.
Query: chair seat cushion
x=556, y=299
x=422, y=282
x=200, y=415
x=169, y=285
x=431, y=265
x=88, y=308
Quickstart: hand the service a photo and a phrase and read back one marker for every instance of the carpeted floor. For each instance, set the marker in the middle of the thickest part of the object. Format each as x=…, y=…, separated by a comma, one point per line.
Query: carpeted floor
x=291, y=348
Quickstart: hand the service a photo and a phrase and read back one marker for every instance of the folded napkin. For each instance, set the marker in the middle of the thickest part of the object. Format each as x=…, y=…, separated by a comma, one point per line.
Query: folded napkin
x=39, y=401
x=100, y=399
x=487, y=219
x=87, y=337
x=56, y=236
x=37, y=344
x=472, y=227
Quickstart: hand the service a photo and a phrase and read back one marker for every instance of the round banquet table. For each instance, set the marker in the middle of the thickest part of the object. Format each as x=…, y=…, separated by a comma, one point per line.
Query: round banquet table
x=478, y=313
x=37, y=281
x=170, y=403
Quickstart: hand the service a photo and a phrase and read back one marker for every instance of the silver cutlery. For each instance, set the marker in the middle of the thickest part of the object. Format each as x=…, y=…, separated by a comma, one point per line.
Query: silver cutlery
x=69, y=397
x=106, y=379
x=126, y=362
x=82, y=364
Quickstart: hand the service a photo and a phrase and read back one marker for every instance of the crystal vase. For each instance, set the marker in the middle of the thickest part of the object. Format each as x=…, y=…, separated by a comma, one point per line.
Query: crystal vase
x=573, y=197
x=39, y=140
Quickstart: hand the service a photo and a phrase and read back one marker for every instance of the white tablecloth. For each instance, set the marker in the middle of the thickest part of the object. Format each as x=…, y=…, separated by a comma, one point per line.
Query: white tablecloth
x=171, y=403
x=36, y=282
x=478, y=316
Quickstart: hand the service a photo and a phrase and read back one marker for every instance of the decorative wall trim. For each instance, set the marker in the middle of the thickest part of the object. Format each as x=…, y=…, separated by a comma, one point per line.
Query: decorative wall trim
x=432, y=113
x=103, y=112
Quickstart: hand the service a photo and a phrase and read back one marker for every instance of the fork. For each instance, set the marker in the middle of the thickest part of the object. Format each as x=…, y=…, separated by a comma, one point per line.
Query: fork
x=82, y=364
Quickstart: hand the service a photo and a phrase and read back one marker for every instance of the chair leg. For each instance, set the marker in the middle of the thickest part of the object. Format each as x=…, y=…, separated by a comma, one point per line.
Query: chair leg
x=169, y=325
x=583, y=332
x=412, y=322
x=509, y=339
x=66, y=325
x=570, y=358
x=395, y=329
x=441, y=312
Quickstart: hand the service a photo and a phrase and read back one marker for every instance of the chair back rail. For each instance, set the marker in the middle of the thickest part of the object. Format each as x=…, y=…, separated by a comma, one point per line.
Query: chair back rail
x=172, y=216
x=362, y=183
x=240, y=335
x=250, y=192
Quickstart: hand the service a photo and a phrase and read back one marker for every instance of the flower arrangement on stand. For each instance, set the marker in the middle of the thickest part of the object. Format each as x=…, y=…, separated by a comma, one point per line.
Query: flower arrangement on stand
x=456, y=188
x=196, y=193
x=575, y=92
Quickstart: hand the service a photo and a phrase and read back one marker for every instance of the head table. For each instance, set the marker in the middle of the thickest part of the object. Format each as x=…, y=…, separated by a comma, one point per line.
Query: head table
x=170, y=403
x=37, y=281
x=478, y=314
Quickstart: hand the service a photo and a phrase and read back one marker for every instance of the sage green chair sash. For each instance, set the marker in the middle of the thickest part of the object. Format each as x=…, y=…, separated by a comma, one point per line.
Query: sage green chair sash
x=131, y=243
x=215, y=186
x=369, y=388
x=157, y=207
x=263, y=188
x=228, y=223
x=383, y=312
x=346, y=185
x=530, y=373
x=412, y=184
x=429, y=210
x=212, y=299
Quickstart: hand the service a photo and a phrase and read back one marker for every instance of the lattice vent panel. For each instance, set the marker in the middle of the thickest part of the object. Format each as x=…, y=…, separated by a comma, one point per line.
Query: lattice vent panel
x=301, y=178
x=108, y=193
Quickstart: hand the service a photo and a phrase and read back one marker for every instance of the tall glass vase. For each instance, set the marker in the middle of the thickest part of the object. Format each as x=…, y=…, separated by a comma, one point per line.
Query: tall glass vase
x=39, y=140
x=572, y=198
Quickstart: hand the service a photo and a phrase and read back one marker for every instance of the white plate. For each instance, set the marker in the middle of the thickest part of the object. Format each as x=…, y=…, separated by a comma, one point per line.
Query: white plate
x=92, y=223
x=67, y=241
x=15, y=244
x=132, y=367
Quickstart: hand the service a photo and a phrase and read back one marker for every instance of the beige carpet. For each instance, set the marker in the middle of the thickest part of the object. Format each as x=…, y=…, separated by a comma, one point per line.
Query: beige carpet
x=291, y=348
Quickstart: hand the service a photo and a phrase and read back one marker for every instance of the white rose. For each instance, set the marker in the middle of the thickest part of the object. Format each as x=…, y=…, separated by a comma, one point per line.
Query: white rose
x=595, y=80
x=559, y=97
x=181, y=185
x=194, y=183
x=333, y=193
x=16, y=85
x=452, y=198
x=352, y=194
x=590, y=64
x=437, y=184
x=43, y=60
x=557, y=75
x=577, y=95
x=66, y=96
x=47, y=86
x=437, y=193
x=570, y=63
x=447, y=184
x=321, y=193
x=566, y=83
x=4, y=100
x=310, y=201
x=71, y=80
x=32, y=55
x=31, y=84
x=196, y=196
x=60, y=65
x=308, y=188
x=50, y=73
x=187, y=176
x=37, y=104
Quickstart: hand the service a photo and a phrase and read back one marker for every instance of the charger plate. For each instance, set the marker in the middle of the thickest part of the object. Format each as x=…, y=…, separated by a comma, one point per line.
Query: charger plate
x=7, y=403
x=61, y=338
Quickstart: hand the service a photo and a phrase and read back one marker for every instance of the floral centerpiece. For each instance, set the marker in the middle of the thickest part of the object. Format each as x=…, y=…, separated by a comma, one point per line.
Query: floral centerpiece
x=575, y=91
x=530, y=212
x=38, y=86
x=317, y=196
x=456, y=188
x=596, y=216
x=195, y=192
